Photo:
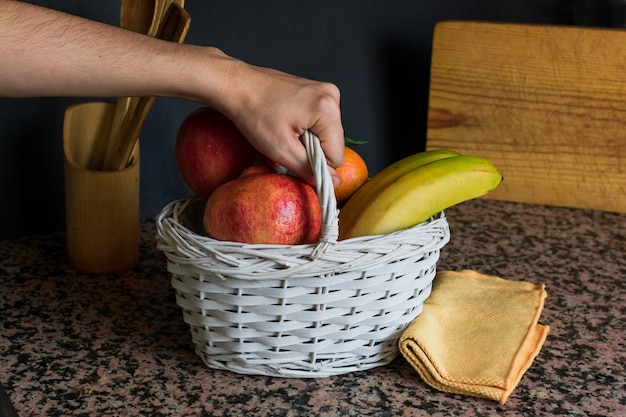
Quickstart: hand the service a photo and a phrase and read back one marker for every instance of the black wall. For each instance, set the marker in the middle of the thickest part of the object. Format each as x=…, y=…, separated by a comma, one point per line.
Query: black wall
x=377, y=52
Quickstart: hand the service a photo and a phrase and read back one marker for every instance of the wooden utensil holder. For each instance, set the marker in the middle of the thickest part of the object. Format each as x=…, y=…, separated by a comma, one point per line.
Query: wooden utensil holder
x=102, y=207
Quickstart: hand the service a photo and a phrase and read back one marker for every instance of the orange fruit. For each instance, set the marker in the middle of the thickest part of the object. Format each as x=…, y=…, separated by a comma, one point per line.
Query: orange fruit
x=352, y=174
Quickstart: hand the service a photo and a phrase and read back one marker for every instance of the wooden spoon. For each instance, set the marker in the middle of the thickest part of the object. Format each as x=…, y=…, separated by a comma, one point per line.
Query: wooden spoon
x=174, y=28
x=139, y=15
x=143, y=16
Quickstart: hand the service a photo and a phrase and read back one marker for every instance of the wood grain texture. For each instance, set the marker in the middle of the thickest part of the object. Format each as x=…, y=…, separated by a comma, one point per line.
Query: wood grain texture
x=546, y=104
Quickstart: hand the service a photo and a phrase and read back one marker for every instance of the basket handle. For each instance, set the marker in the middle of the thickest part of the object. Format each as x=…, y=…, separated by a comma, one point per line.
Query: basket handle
x=325, y=193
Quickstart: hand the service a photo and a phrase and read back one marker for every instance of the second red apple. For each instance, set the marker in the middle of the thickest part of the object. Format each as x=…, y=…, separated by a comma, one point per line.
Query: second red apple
x=211, y=151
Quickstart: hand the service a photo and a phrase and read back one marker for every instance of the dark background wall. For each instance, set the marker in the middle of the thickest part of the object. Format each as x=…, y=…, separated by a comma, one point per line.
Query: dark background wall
x=376, y=51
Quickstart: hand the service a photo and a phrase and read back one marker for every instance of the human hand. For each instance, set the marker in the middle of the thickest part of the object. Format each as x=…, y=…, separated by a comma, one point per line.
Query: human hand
x=273, y=109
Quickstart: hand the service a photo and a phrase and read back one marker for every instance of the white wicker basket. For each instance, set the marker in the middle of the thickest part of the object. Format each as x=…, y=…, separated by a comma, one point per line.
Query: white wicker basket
x=299, y=311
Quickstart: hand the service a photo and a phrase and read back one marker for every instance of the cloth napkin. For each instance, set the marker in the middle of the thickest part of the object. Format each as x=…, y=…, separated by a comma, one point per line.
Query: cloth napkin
x=477, y=334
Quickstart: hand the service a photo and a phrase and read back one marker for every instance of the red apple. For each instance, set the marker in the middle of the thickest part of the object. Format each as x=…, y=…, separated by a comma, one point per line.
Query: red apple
x=211, y=151
x=265, y=208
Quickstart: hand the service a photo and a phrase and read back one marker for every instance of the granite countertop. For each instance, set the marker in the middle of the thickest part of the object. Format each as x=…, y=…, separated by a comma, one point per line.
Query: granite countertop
x=116, y=345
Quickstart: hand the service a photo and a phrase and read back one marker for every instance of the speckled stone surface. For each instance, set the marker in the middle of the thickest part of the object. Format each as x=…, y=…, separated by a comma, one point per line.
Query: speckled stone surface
x=116, y=345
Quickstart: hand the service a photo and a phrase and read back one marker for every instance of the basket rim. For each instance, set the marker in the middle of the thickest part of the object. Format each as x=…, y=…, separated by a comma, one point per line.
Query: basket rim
x=172, y=211
x=184, y=247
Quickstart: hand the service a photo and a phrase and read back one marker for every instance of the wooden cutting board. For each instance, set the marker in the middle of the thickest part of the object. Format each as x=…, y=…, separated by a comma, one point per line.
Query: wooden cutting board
x=546, y=104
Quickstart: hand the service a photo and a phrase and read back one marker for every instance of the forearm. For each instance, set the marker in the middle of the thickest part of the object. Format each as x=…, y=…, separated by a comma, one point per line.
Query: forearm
x=49, y=53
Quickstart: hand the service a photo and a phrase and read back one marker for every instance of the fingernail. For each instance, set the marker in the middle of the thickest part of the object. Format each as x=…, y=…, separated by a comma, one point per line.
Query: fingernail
x=335, y=179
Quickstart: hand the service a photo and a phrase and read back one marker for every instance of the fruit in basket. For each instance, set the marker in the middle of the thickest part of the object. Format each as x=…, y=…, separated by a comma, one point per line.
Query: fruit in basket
x=396, y=201
x=211, y=151
x=352, y=210
x=352, y=173
x=264, y=207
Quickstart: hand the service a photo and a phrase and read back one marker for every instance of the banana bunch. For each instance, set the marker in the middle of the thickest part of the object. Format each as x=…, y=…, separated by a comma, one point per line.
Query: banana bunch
x=413, y=189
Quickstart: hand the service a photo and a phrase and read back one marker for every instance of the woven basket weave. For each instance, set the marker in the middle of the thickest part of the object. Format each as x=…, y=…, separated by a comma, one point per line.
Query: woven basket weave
x=299, y=311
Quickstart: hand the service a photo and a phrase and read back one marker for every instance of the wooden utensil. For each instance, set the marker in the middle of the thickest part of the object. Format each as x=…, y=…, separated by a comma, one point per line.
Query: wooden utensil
x=174, y=28
x=143, y=16
x=544, y=103
x=139, y=16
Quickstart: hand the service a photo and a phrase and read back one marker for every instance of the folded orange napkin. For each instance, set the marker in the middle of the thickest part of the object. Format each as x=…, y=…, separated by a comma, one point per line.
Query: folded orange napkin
x=477, y=334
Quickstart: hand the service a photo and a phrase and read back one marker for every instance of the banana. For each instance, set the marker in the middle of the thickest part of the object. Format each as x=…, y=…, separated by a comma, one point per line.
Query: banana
x=421, y=193
x=351, y=211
